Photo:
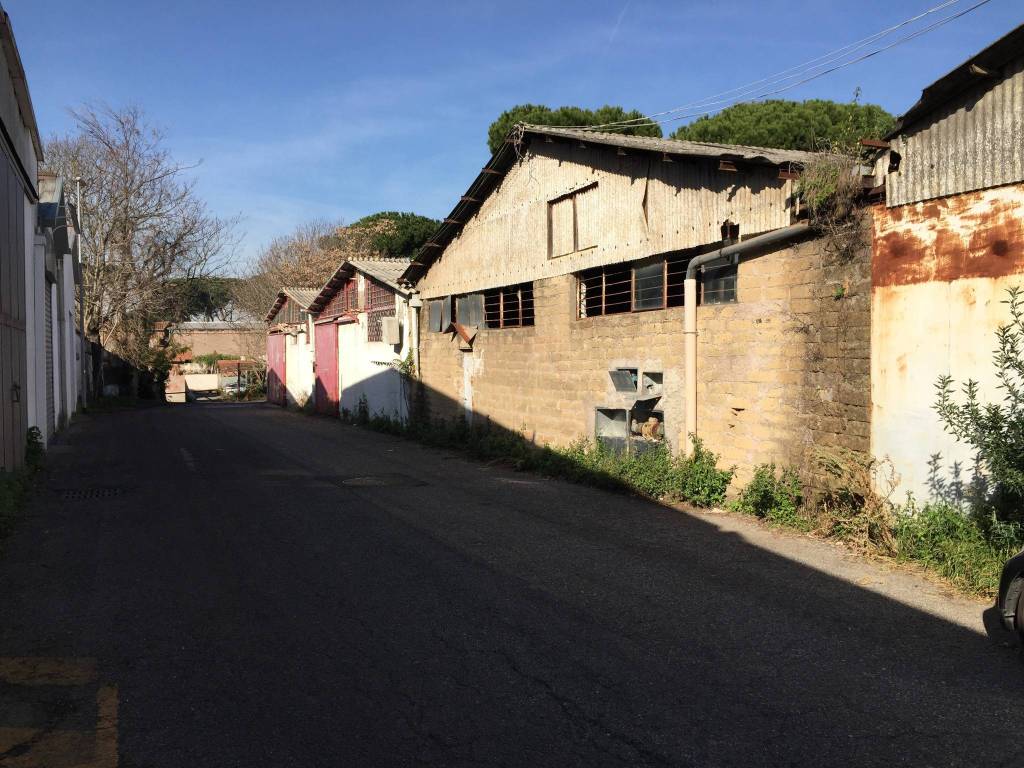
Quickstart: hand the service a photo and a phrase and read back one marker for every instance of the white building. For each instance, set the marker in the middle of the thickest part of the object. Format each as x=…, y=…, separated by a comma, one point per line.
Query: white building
x=364, y=331
x=22, y=153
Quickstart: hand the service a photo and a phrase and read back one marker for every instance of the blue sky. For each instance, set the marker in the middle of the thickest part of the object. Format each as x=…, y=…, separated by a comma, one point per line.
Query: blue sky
x=314, y=109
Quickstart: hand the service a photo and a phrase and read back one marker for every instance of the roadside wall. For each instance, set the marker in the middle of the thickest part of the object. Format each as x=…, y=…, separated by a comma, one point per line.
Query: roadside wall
x=782, y=370
x=940, y=273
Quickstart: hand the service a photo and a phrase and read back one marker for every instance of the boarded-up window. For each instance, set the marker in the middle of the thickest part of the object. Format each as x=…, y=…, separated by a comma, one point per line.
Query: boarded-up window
x=572, y=222
x=469, y=310
x=434, y=315
x=586, y=217
x=563, y=237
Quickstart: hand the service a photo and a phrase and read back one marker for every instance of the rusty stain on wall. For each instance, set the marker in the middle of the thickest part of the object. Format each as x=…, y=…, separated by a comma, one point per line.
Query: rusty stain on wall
x=978, y=234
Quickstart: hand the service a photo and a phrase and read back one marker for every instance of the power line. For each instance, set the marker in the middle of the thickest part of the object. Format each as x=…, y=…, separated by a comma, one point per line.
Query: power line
x=794, y=71
x=824, y=61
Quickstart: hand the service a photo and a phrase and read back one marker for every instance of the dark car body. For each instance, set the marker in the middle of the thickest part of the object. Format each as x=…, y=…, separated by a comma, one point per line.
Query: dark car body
x=1011, y=585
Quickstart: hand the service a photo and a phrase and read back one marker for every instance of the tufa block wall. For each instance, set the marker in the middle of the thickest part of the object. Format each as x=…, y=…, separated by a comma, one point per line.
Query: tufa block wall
x=784, y=369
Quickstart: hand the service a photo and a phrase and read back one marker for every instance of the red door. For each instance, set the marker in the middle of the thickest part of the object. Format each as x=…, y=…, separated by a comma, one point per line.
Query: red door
x=326, y=392
x=276, y=392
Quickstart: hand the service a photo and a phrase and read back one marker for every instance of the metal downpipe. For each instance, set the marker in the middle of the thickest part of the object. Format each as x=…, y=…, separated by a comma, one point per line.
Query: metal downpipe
x=690, y=313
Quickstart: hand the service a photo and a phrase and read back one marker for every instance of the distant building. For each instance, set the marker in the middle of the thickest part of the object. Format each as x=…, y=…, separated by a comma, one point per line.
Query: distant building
x=290, y=347
x=57, y=355
x=364, y=330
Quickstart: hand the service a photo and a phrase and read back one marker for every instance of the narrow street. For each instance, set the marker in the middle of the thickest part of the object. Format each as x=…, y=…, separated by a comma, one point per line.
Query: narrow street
x=233, y=585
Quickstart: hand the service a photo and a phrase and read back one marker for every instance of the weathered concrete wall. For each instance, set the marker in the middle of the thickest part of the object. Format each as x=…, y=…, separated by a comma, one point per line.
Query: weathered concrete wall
x=940, y=274
x=227, y=342
x=782, y=370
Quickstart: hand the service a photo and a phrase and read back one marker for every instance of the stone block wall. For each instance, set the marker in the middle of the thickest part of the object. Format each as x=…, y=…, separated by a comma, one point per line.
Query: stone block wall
x=782, y=370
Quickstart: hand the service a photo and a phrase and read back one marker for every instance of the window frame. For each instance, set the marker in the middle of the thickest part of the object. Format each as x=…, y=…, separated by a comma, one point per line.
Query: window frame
x=499, y=293
x=673, y=270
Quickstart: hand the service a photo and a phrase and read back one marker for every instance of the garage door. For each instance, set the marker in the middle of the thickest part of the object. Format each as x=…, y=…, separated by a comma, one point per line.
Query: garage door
x=276, y=392
x=327, y=384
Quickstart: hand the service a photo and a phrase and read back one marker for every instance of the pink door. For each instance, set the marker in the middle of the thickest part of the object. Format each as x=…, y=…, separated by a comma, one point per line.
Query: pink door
x=326, y=393
x=276, y=392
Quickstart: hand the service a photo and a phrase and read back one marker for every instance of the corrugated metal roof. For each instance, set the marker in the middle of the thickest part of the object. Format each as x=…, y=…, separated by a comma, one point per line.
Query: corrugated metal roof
x=491, y=175
x=967, y=131
x=676, y=147
x=304, y=297
x=386, y=270
x=965, y=76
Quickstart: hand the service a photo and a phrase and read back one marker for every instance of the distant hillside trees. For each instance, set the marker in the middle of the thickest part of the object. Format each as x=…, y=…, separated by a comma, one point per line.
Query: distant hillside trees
x=395, y=233
x=309, y=255
x=807, y=125
x=537, y=114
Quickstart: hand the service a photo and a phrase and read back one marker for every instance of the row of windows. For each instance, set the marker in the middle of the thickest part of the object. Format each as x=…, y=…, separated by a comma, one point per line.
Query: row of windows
x=651, y=284
x=608, y=290
x=510, y=306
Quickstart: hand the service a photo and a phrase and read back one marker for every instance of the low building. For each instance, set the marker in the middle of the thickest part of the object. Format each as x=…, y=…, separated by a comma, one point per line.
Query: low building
x=56, y=276
x=948, y=243
x=19, y=194
x=290, y=348
x=555, y=301
x=363, y=333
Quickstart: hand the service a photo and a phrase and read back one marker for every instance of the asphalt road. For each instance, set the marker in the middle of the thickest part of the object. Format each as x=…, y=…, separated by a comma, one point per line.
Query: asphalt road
x=219, y=585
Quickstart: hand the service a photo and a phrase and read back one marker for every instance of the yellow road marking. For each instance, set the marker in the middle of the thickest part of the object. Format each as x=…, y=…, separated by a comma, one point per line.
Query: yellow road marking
x=27, y=670
x=43, y=746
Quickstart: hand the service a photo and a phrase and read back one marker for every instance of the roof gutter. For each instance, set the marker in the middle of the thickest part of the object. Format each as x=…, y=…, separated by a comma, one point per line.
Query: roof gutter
x=690, y=311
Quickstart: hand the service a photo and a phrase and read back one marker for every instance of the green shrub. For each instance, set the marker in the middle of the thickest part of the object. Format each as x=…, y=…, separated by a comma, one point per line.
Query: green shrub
x=775, y=498
x=15, y=486
x=654, y=472
x=995, y=430
x=952, y=543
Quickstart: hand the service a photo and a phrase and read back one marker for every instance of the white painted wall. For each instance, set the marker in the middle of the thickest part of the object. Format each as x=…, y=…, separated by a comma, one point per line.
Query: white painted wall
x=920, y=332
x=35, y=325
x=299, y=364
x=58, y=410
x=368, y=368
x=69, y=361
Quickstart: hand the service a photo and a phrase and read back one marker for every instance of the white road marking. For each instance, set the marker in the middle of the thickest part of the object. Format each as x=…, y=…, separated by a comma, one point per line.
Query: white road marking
x=189, y=460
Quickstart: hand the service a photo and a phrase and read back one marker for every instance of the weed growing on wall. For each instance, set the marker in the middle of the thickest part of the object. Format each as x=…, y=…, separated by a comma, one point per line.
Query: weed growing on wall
x=830, y=187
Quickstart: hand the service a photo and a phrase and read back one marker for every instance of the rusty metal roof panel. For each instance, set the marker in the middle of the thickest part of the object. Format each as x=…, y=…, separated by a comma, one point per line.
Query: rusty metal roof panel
x=967, y=131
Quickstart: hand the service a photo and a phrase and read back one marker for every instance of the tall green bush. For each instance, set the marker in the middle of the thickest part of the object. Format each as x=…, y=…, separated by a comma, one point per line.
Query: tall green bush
x=995, y=430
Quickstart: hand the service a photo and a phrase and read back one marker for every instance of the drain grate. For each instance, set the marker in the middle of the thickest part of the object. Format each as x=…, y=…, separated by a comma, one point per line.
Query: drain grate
x=88, y=494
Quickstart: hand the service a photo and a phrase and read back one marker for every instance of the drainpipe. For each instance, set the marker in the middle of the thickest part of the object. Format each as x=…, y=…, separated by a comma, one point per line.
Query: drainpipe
x=690, y=311
x=412, y=306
